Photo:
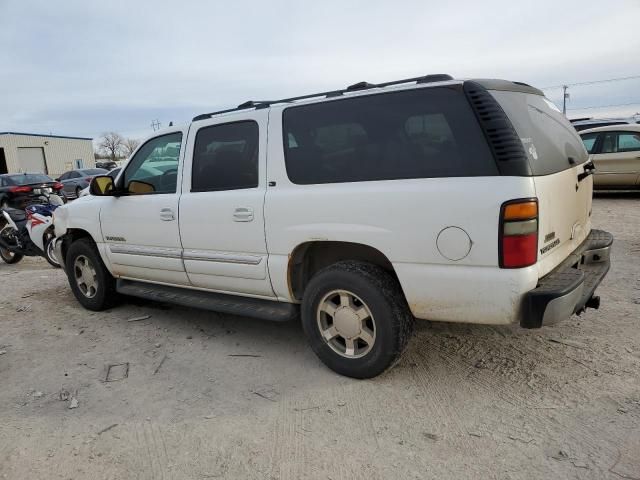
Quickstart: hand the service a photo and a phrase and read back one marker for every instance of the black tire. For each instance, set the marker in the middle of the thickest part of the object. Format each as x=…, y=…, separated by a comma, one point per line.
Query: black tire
x=78, y=190
x=377, y=290
x=48, y=254
x=6, y=255
x=105, y=295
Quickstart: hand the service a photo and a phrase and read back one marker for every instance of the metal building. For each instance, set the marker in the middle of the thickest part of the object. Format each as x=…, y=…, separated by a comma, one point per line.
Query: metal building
x=50, y=154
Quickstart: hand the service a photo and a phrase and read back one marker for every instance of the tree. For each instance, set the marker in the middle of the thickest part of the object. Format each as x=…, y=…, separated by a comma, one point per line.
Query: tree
x=112, y=143
x=129, y=146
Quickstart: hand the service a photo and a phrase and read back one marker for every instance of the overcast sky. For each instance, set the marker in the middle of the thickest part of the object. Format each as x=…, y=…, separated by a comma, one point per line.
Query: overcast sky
x=85, y=67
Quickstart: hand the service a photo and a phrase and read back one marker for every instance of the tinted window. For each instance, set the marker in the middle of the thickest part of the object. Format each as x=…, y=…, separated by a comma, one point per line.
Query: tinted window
x=29, y=178
x=225, y=157
x=73, y=175
x=589, y=141
x=155, y=164
x=547, y=136
x=422, y=133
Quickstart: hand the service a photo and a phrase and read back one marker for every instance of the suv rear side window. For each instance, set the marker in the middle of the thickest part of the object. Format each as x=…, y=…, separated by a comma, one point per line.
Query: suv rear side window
x=225, y=157
x=546, y=134
x=421, y=133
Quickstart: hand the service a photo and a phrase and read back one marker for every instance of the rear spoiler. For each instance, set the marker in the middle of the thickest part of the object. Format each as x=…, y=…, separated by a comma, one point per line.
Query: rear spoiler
x=506, y=85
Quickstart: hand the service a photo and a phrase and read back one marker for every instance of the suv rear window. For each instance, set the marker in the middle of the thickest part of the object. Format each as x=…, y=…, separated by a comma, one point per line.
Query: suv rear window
x=548, y=138
x=421, y=133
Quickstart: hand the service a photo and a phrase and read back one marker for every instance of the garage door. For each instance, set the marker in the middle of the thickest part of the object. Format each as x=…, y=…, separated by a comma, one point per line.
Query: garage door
x=31, y=160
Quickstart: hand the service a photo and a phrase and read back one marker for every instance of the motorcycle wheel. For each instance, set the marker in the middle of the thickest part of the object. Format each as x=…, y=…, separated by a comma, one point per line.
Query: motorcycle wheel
x=6, y=255
x=49, y=253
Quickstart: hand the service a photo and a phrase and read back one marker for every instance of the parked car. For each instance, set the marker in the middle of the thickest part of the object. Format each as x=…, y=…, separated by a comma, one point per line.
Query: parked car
x=615, y=152
x=113, y=174
x=19, y=189
x=430, y=198
x=74, y=181
x=581, y=124
x=106, y=164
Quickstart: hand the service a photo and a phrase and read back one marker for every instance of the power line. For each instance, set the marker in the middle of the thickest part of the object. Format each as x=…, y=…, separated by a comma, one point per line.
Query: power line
x=619, y=79
x=605, y=106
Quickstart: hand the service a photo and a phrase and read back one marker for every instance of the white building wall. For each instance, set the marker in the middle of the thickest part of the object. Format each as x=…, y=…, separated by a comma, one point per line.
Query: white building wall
x=59, y=152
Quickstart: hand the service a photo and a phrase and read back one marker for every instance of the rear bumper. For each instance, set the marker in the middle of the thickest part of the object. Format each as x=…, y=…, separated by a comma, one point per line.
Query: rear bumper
x=569, y=288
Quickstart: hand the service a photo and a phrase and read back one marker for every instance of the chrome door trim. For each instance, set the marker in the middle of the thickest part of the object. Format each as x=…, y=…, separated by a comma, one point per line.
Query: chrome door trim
x=205, y=256
x=162, y=252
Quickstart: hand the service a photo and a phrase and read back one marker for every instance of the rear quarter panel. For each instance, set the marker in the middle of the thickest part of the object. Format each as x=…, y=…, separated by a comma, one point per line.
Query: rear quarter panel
x=402, y=219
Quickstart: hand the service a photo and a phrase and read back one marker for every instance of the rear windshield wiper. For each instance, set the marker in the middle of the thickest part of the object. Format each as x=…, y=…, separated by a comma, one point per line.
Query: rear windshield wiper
x=589, y=169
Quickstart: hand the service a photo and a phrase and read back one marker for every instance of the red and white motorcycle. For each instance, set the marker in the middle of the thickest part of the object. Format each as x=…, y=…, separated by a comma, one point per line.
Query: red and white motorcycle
x=29, y=232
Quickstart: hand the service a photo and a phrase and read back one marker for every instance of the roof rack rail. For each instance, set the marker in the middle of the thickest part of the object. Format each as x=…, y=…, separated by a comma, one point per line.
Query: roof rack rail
x=438, y=77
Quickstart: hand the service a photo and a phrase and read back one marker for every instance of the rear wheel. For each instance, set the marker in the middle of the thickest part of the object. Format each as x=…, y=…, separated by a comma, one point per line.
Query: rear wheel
x=356, y=318
x=6, y=233
x=78, y=190
x=90, y=281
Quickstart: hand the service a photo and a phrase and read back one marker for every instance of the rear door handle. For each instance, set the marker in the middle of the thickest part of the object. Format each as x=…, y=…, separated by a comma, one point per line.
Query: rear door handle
x=166, y=215
x=243, y=214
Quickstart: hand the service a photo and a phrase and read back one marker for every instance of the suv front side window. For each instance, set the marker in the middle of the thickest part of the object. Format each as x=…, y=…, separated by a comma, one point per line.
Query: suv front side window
x=155, y=166
x=226, y=157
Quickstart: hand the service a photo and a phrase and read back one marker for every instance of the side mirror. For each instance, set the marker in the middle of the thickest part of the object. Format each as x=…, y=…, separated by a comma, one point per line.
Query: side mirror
x=101, y=186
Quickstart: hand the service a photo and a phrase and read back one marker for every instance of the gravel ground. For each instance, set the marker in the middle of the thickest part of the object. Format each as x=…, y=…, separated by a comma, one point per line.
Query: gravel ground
x=195, y=395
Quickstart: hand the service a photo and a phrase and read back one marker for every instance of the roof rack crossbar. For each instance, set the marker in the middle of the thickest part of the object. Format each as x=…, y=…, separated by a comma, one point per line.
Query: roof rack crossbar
x=440, y=77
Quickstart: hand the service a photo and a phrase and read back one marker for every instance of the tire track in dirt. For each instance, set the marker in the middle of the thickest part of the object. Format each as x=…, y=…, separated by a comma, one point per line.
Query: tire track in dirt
x=491, y=383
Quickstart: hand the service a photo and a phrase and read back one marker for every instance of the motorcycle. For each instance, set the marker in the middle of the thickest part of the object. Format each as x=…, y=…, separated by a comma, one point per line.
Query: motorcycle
x=29, y=232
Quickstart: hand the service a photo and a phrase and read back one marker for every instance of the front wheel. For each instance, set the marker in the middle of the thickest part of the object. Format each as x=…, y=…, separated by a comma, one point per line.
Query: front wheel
x=49, y=253
x=356, y=318
x=90, y=281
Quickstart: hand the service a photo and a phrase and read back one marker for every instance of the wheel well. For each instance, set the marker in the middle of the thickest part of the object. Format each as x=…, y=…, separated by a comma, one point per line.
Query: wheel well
x=72, y=235
x=311, y=257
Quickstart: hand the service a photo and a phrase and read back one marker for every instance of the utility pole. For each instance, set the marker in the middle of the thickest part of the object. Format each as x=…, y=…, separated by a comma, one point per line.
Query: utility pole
x=565, y=95
x=155, y=124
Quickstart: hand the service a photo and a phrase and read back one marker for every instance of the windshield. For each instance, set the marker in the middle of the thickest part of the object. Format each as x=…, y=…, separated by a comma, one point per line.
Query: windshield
x=93, y=171
x=29, y=178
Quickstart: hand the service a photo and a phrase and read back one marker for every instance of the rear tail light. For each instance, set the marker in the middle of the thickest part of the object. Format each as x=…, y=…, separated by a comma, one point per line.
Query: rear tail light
x=22, y=189
x=518, y=233
x=58, y=186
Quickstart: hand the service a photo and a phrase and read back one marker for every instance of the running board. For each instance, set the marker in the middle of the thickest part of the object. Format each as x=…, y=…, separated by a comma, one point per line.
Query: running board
x=217, y=302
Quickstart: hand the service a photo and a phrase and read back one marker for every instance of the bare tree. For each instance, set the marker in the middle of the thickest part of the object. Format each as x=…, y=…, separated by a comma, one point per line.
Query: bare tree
x=129, y=146
x=112, y=143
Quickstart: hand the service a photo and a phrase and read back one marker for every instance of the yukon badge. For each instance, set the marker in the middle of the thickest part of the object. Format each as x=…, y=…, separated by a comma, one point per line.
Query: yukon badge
x=548, y=238
x=115, y=239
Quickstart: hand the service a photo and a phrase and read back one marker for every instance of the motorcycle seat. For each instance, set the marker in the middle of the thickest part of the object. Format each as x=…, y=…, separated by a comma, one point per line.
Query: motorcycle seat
x=16, y=214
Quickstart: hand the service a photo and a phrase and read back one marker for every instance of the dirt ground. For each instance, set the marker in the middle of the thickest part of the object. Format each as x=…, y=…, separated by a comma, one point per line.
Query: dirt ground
x=213, y=396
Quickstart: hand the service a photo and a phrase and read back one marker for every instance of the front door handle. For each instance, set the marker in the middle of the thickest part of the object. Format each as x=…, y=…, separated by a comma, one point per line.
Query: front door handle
x=166, y=215
x=243, y=214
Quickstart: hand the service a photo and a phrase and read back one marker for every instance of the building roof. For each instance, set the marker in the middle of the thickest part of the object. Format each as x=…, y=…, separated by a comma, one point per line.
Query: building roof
x=42, y=135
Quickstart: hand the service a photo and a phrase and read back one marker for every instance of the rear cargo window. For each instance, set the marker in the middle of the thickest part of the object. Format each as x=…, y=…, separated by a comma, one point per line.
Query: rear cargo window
x=548, y=137
x=422, y=133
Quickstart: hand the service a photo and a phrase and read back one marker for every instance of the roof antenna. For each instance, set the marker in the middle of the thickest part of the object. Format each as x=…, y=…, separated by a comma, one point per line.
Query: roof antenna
x=171, y=124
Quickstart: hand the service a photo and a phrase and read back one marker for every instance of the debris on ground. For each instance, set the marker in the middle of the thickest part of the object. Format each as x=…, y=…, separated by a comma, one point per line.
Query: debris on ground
x=244, y=355
x=160, y=365
x=114, y=425
x=138, y=319
x=2, y=352
x=73, y=403
x=116, y=372
x=63, y=395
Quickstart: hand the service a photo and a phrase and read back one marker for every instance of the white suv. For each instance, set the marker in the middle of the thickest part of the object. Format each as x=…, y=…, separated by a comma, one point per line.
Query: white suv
x=357, y=209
